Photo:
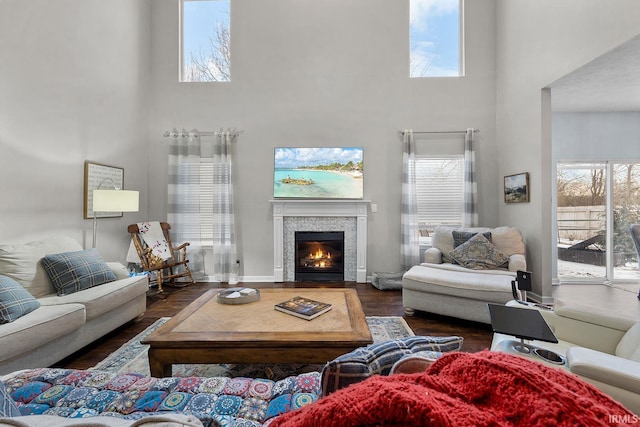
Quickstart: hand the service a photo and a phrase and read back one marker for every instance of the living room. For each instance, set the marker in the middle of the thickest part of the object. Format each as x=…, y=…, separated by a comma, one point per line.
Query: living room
x=327, y=77
x=98, y=81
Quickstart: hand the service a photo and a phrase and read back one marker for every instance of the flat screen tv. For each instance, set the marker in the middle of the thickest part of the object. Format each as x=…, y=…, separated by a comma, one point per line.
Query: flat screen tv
x=318, y=173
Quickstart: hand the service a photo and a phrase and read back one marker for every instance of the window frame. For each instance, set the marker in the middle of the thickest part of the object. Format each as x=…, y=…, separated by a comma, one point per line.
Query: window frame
x=461, y=46
x=608, y=166
x=181, y=41
x=425, y=227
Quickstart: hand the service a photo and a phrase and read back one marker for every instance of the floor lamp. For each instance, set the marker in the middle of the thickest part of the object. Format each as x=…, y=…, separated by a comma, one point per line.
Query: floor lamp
x=113, y=201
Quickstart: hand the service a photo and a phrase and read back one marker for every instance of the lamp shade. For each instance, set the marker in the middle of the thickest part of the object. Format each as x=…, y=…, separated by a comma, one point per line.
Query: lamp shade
x=115, y=201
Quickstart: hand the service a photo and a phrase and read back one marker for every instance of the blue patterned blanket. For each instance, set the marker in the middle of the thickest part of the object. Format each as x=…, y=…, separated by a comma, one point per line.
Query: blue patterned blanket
x=215, y=401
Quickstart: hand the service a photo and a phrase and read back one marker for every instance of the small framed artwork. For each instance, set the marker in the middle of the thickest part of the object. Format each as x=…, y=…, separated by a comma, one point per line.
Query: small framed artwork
x=516, y=188
x=100, y=177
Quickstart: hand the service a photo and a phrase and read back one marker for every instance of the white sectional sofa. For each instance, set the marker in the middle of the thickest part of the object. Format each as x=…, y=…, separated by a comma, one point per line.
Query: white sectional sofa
x=63, y=324
x=440, y=286
x=601, y=347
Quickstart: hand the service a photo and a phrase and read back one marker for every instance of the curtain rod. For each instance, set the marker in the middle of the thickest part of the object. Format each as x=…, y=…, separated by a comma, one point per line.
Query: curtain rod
x=208, y=133
x=441, y=132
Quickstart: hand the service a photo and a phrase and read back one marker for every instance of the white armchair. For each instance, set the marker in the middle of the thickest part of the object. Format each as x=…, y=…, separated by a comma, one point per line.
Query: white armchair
x=481, y=272
x=602, y=348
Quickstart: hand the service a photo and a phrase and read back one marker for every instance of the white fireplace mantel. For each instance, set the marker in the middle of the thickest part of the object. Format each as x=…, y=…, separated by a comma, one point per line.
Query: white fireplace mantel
x=357, y=209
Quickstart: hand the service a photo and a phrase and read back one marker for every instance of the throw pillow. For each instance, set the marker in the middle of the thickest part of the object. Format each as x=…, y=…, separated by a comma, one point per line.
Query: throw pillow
x=74, y=271
x=479, y=254
x=460, y=237
x=416, y=362
x=379, y=358
x=15, y=301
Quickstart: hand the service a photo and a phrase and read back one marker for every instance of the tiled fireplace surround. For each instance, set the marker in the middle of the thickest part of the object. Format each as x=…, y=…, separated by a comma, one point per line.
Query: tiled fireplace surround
x=349, y=216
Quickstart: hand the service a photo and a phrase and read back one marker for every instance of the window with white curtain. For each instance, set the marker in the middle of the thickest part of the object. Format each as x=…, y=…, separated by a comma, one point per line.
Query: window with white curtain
x=439, y=191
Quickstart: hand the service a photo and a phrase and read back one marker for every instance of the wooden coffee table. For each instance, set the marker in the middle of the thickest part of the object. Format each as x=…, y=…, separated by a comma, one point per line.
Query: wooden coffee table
x=209, y=332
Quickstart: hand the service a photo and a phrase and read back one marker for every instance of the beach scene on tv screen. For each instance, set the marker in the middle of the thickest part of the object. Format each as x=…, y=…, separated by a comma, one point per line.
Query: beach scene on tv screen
x=323, y=173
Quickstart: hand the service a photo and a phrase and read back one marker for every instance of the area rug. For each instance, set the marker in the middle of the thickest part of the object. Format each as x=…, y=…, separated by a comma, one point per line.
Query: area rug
x=132, y=356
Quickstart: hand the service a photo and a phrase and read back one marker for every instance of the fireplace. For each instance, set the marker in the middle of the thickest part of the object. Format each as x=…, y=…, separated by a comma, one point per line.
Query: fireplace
x=349, y=216
x=319, y=255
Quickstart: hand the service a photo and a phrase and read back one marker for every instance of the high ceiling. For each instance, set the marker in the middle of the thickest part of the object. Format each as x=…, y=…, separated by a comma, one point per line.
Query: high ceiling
x=610, y=82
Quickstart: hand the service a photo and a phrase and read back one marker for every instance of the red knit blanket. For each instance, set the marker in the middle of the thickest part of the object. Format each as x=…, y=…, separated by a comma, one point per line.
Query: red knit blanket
x=467, y=389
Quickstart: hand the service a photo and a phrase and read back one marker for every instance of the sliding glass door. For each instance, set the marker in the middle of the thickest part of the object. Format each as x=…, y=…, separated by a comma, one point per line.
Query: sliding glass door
x=595, y=205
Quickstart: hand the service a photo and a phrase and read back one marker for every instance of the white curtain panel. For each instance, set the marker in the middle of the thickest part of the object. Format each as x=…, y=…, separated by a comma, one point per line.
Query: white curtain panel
x=183, y=196
x=470, y=214
x=409, y=243
x=224, y=234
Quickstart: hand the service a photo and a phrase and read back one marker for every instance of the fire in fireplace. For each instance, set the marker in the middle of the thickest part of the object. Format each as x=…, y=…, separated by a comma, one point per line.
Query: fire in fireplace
x=318, y=255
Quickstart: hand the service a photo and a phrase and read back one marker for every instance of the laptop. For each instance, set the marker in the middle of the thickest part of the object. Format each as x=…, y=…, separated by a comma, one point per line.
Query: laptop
x=521, y=323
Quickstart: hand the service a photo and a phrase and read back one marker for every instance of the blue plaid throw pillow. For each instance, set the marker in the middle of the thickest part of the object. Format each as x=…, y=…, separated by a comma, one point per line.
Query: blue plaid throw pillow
x=74, y=271
x=15, y=301
x=378, y=359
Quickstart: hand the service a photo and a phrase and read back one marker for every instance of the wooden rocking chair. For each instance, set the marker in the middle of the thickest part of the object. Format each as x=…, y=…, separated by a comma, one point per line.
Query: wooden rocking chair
x=177, y=264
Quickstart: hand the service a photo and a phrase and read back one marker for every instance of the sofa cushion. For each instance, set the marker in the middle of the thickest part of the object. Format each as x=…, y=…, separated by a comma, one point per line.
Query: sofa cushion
x=21, y=262
x=38, y=328
x=458, y=281
x=629, y=345
x=508, y=240
x=102, y=299
x=74, y=271
x=479, y=254
x=15, y=301
x=379, y=358
x=119, y=270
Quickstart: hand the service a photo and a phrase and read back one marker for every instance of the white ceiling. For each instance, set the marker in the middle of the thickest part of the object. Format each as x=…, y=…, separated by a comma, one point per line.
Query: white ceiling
x=610, y=82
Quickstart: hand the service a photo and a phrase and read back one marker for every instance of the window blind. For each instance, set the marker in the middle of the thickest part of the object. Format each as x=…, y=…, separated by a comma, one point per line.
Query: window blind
x=439, y=190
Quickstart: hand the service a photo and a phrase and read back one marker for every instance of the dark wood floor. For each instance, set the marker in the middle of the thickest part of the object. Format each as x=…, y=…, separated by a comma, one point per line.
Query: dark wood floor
x=477, y=336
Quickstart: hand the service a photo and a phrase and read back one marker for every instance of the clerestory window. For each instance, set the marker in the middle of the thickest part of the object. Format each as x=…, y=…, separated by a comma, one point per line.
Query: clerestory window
x=206, y=41
x=435, y=38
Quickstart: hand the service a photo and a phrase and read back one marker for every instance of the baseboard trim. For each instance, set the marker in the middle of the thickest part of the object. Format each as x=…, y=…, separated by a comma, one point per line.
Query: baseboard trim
x=251, y=279
x=539, y=299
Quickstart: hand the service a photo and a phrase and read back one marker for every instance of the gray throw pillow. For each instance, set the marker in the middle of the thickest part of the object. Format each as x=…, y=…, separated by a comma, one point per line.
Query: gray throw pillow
x=460, y=237
x=74, y=271
x=15, y=301
x=479, y=254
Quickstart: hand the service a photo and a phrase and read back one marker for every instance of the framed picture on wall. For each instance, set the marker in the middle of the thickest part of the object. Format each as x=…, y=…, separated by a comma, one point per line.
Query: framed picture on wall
x=100, y=177
x=516, y=188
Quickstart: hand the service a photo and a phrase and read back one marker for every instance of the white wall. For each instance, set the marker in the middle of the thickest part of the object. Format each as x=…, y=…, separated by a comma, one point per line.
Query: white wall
x=324, y=73
x=537, y=43
x=73, y=87
x=596, y=136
